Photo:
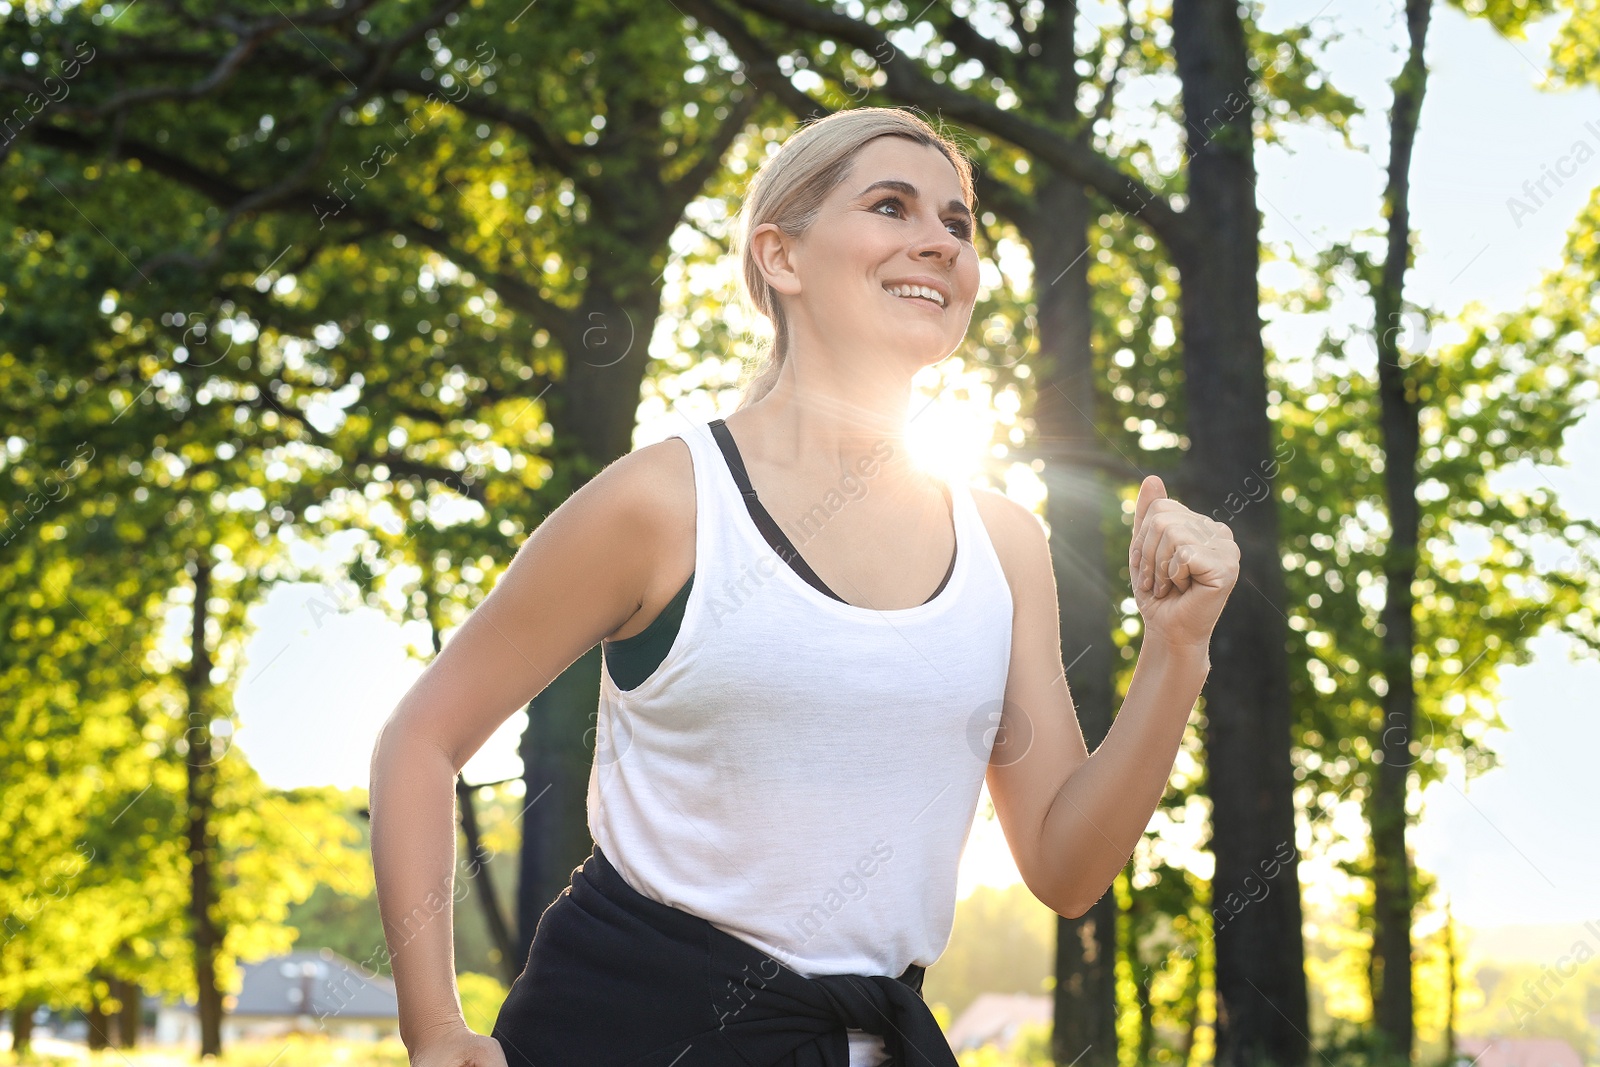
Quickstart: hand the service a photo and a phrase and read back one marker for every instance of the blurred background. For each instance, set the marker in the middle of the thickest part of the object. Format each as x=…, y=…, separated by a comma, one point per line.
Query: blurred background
x=311, y=312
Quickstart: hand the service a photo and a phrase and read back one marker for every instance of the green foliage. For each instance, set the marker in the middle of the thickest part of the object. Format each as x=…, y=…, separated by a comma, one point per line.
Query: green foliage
x=481, y=997
x=242, y=321
x=82, y=869
x=1163, y=933
x=1498, y=562
x=1292, y=86
x=1511, y=17
x=1575, y=52
x=1349, y=1045
x=349, y=925
x=295, y=1050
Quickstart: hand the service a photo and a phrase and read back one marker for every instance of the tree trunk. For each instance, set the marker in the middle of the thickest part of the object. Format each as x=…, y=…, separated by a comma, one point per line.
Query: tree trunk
x=1450, y=989
x=1146, y=1016
x=499, y=932
x=593, y=411
x=130, y=1016
x=98, y=1036
x=1260, y=968
x=1079, y=506
x=555, y=768
x=1085, y=1024
x=200, y=765
x=1391, y=862
x=22, y=1027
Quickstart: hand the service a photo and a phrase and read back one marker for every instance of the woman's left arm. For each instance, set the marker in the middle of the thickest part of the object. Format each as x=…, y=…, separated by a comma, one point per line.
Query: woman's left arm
x=1072, y=819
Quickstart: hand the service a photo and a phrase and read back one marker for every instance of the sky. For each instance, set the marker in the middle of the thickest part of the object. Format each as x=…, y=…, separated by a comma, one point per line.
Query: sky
x=1515, y=845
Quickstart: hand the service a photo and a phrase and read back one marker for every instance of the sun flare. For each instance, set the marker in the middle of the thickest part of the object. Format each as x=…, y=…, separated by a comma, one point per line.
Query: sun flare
x=949, y=437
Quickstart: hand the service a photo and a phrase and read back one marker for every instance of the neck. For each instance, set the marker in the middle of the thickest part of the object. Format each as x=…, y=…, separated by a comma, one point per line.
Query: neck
x=829, y=423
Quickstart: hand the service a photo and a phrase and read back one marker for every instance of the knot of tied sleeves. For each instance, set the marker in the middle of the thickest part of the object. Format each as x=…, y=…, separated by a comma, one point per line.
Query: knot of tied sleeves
x=773, y=1015
x=616, y=979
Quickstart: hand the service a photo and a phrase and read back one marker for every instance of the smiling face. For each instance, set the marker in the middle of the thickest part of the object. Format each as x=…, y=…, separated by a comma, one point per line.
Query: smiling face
x=887, y=268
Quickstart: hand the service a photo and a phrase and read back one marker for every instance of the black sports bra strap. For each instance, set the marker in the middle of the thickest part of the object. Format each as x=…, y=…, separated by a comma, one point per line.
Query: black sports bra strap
x=730, y=452
x=769, y=527
x=764, y=521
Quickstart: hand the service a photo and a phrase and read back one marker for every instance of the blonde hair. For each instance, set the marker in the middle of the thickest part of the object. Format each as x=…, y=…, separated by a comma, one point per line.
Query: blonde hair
x=789, y=190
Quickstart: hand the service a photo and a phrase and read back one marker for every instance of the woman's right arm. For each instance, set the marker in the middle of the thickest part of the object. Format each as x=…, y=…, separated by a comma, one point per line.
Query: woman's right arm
x=577, y=578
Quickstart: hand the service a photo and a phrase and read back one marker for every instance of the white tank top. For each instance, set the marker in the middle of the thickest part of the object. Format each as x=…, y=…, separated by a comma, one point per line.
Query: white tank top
x=800, y=772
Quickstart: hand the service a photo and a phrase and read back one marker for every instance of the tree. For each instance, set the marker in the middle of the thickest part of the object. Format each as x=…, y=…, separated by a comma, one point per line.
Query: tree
x=99, y=887
x=572, y=261
x=1501, y=396
x=1391, y=867
x=176, y=521
x=1420, y=724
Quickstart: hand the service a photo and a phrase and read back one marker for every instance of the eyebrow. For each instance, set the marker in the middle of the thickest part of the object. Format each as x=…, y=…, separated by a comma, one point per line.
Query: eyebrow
x=910, y=190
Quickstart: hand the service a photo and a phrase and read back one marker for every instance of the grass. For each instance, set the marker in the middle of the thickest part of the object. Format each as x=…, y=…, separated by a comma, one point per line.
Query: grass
x=299, y=1051
x=292, y=1051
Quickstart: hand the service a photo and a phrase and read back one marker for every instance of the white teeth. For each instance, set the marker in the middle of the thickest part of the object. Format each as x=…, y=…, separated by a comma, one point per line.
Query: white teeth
x=916, y=290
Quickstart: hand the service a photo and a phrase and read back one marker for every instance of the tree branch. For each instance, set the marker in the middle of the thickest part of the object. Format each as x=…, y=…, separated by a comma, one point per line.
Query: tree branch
x=760, y=63
x=1005, y=199
x=220, y=75
x=689, y=184
x=411, y=468
x=213, y=187
x=1019, y=26
x=1102, y=107
x=519, y=294
x=973, y=45
x=1071, y=157
x=564, y=156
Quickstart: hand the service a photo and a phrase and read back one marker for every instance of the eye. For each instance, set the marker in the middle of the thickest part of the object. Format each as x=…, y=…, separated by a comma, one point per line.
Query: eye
x=963, y=228
x=899, y=205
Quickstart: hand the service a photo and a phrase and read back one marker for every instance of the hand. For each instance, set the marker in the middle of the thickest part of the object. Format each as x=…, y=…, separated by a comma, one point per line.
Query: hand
x=457, y=1046
x=1183, y=567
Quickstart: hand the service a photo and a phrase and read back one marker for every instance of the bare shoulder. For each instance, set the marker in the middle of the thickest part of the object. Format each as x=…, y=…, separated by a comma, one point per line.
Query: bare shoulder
x=1017, y=534
x=658, y=478
x=655, y=486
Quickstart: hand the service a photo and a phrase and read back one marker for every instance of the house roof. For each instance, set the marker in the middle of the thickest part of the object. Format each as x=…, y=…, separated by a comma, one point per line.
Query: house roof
x=334, y=987
x=1519, y=1052
x=995, y=1017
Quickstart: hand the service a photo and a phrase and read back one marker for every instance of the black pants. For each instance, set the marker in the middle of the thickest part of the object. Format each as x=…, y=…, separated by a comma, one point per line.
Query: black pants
x=615, y=979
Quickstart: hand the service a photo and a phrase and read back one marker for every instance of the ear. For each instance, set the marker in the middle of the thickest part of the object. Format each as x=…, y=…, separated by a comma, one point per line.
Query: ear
x=775, y=254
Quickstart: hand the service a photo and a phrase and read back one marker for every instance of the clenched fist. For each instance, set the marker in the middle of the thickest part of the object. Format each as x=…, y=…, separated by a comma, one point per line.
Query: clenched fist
x=1183, y=566
x=457, y=1046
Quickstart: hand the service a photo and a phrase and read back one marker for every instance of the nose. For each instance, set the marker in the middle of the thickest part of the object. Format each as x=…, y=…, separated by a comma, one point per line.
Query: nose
x=941, y=245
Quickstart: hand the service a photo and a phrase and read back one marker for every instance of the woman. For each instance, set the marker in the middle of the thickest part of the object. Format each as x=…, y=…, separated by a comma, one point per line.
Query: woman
x=792, y=745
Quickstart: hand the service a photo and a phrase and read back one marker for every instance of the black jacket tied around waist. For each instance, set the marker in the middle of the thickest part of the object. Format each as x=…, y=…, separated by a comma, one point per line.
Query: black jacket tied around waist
x=616, y=979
